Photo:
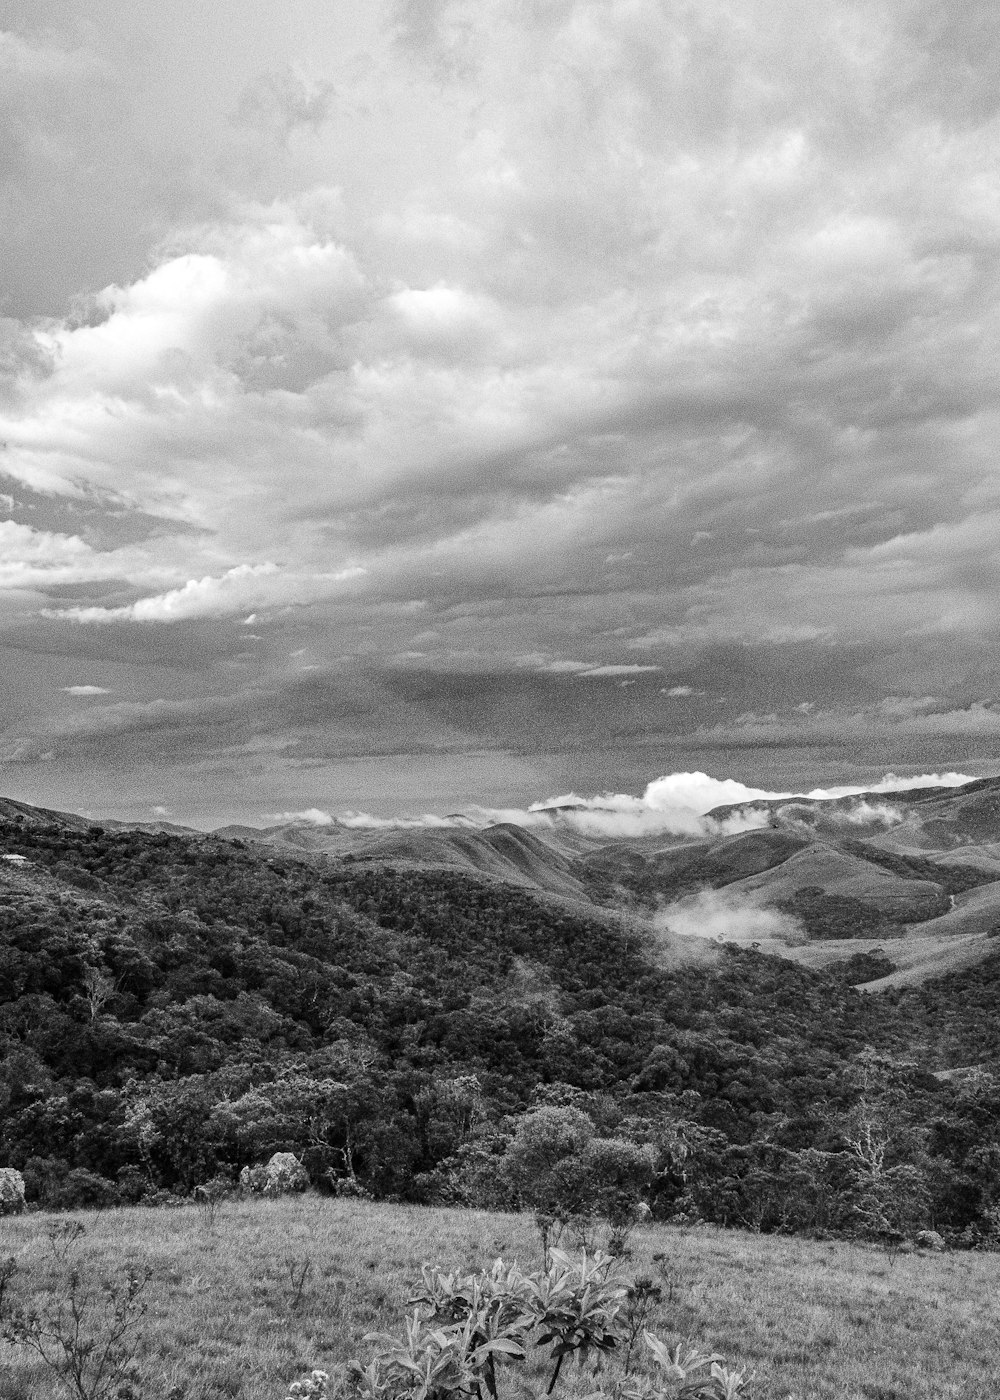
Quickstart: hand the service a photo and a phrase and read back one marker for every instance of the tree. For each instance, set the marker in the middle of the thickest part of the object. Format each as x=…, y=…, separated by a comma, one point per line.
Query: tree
x=561, y=1168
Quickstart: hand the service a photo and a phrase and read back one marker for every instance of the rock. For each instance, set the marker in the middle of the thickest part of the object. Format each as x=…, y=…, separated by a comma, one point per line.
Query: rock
x=11, y=1191
x=283, y=1174
x=930, y=1239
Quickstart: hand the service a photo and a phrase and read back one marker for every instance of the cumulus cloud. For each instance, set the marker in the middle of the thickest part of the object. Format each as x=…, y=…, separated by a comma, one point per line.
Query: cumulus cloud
x=679, y=804
x=246, y=585
x=641, y=283
x=30, y=557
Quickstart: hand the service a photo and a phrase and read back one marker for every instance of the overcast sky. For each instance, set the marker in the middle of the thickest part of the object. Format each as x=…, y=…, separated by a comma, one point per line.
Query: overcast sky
x=426, y=403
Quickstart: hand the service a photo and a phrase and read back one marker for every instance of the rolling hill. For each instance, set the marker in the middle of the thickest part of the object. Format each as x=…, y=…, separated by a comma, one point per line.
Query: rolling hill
x=176, y=1005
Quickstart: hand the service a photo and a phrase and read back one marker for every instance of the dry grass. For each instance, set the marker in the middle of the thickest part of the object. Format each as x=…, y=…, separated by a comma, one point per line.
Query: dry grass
x=811, y=1319
x=918, y=957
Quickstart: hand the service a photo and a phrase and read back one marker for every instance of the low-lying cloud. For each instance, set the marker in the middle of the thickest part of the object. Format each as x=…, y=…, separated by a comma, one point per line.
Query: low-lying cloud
x=727, y=917
x=859, y=814
x=676, y=804
x=365, y=821
x=685, y=804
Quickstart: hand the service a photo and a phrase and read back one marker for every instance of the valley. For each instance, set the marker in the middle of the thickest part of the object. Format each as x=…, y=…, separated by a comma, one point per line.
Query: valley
x=393, y=1005
x=917, y=876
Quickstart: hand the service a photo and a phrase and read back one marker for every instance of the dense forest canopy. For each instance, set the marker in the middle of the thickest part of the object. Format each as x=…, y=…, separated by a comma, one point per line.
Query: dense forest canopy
x=175, y=1008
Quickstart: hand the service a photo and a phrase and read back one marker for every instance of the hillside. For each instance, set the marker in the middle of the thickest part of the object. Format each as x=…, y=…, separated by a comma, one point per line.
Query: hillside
x=806, y=1317
x=506, y=852
x=174, y=1006
x=850, y=873
x=839, y=876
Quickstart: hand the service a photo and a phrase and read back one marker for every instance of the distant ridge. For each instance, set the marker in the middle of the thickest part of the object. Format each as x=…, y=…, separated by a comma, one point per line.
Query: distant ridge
x=42, y=816
x=915, y=873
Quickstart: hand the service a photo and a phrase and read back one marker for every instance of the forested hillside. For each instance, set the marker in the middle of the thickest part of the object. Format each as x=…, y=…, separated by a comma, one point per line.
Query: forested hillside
x=173, y=1008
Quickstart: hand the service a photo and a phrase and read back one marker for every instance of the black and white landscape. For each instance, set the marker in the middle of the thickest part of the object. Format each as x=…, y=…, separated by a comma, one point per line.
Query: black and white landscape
x=499, y=698
x=391, y=1005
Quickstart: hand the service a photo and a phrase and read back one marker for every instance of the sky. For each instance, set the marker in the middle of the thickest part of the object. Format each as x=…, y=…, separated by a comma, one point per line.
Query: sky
x=427, y=403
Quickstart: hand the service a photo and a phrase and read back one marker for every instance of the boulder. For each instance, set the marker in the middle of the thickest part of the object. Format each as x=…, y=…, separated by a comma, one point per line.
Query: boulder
x=11, y=1191
x=929, y=1239
x=281, y=1175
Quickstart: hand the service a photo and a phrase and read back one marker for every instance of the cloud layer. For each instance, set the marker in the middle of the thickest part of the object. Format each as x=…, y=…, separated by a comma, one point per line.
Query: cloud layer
x=599, y=343
x=677, y=804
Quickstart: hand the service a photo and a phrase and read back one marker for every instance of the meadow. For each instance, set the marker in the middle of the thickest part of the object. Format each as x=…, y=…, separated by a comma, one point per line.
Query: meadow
x=242, y=1303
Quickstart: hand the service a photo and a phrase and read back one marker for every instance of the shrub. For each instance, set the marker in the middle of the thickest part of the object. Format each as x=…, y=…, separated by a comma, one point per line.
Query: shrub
x=81, y=1189
x=464, y=1328
x=85, y=1331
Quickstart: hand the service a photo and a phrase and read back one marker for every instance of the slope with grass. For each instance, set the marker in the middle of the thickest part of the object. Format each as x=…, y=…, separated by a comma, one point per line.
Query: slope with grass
x=240, y=1306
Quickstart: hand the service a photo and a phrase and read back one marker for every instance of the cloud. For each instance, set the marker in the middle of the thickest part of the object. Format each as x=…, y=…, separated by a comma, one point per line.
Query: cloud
x=677, y=346
x=366, y=821
x=515, y=364
x=892, y=783
x=284, y=101
x=86, y=690
x=29, y=558
x=895, y=718
x=84, y=193
x=246, y=585
x=859, y=813
x=677, y=804
x=314, y=816
x=617, y=670
x=726, y=917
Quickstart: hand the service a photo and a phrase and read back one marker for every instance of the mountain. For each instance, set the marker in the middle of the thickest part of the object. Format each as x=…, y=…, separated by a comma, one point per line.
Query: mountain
x=175, y=1006
x=11, y=811
x=913, y=875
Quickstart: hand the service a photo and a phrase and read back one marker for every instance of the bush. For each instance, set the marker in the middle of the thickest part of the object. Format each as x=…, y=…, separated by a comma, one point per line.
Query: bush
x=466, y=1327
x=85, y=1332
x=83, y=1190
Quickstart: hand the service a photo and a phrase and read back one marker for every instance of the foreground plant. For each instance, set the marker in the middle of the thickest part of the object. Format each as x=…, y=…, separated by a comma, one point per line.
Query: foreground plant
x=464, y=1327
x=86, y=1333
x=312, y=1388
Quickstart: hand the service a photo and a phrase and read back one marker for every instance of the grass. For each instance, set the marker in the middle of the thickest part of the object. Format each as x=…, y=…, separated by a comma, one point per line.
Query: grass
x=234, y=1314
x=918, y=956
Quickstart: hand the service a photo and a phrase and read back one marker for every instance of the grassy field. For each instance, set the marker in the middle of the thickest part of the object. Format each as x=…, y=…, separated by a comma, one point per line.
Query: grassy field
x=243, y=1305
